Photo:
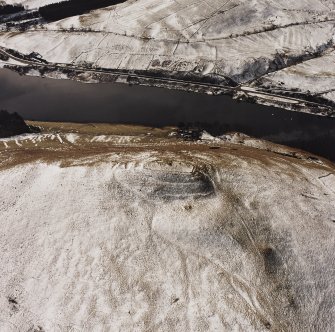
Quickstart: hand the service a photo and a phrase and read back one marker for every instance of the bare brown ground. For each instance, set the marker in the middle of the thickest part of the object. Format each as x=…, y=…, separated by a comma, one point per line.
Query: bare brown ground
x=156, y=140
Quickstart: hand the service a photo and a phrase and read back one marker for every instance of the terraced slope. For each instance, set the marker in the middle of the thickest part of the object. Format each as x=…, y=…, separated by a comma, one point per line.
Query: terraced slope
x=271, y=52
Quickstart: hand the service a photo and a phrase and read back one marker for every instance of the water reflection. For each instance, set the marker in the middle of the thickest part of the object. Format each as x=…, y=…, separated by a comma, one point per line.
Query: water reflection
x=55, y=100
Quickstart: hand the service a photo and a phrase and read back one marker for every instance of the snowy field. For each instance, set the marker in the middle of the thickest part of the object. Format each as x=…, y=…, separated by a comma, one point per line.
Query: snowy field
x=106, y=232
x=280, y=46
x=30, y=4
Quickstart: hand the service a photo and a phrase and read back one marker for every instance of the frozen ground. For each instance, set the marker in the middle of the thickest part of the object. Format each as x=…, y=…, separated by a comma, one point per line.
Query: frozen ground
x=278, y=48
x=30, y=4
x=104, y=232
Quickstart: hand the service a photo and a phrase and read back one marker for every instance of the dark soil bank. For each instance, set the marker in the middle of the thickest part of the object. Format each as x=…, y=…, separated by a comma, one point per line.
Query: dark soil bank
x=12, y=124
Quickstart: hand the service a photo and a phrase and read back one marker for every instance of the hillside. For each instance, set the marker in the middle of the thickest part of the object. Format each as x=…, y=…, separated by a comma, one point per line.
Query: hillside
x=131, y=228
x=271, y=52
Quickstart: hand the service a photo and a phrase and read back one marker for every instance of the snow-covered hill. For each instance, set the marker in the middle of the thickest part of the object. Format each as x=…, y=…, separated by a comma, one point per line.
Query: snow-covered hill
x=276, y=52
x=30, y=4
x=106, y=232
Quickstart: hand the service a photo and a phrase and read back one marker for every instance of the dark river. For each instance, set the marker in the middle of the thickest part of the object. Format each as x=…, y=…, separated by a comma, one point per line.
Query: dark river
x=60, y=100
